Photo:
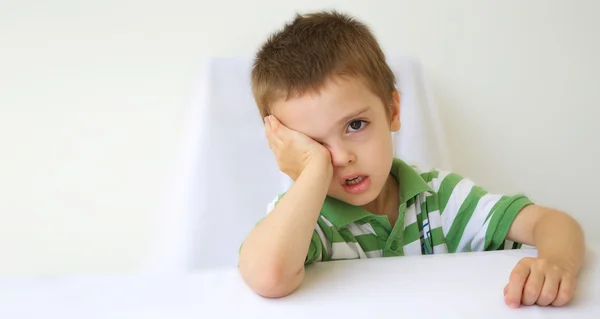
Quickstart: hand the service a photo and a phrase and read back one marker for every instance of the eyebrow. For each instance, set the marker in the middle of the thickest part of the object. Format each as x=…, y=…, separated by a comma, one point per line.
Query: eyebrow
x=350, y=116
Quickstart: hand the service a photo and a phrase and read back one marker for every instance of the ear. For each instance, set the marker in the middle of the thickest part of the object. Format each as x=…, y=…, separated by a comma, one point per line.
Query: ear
x=395, y=112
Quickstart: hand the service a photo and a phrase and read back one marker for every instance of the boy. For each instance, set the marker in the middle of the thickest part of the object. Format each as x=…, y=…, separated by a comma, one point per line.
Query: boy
x=329, y=103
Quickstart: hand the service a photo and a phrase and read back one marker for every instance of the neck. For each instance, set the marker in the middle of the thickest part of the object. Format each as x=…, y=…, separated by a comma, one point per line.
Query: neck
x=388, y=200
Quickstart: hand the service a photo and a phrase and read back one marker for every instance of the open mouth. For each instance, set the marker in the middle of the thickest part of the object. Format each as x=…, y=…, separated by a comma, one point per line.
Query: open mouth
x=355, y=180
x=356, y=184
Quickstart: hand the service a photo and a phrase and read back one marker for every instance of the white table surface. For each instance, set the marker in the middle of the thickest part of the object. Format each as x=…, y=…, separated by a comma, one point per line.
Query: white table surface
x=467, y=285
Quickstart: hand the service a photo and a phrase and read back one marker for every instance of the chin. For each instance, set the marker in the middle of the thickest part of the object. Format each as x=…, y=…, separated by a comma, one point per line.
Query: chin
x=356, y=200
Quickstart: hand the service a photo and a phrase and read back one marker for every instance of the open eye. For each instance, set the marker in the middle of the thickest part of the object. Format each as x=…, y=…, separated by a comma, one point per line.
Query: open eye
x=356, y=125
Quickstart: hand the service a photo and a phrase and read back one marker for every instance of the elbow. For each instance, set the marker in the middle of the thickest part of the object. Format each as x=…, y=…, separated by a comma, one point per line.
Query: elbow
x=271, y=280
x=273, y=284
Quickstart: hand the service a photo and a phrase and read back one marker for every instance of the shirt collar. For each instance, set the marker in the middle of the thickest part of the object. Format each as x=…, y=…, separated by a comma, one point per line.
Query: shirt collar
x=340, y=213
x=410, y=181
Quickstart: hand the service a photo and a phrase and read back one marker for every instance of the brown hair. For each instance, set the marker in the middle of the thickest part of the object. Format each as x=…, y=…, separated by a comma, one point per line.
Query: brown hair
x=312, y=49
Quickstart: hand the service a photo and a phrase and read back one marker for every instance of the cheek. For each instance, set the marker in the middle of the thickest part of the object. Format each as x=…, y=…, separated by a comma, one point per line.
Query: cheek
x=375, y=141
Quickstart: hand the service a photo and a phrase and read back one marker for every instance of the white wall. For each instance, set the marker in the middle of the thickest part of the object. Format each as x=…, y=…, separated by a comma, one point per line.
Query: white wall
x=93, y=98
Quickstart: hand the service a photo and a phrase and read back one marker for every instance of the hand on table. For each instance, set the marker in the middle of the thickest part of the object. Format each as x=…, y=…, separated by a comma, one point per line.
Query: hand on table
x=540, y=281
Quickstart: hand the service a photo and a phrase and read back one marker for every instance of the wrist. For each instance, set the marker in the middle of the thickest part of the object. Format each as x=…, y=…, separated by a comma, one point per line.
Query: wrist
x=562, y=262
x=319, y=170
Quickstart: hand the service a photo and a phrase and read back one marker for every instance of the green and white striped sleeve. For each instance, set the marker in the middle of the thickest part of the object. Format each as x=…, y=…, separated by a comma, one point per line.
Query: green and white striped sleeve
x=315, y=249
x=473, y=219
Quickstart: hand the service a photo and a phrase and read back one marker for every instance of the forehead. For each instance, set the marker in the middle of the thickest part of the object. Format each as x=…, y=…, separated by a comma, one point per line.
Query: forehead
x=316, y=114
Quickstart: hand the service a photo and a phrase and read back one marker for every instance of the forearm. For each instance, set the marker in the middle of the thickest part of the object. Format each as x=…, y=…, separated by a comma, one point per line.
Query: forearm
x=557, y=236
x=272, y=256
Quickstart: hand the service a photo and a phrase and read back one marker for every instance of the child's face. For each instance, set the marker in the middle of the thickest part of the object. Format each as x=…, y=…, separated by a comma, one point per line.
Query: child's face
x=351, y=122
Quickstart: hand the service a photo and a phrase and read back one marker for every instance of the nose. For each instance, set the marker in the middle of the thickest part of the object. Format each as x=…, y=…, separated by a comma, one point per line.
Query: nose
x=341, y=155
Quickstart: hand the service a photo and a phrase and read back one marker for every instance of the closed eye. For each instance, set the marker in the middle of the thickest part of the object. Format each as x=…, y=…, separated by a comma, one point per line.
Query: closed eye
x=357, y=125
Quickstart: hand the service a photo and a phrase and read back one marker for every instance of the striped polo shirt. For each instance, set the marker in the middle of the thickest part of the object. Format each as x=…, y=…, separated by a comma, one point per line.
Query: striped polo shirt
x=440, y=212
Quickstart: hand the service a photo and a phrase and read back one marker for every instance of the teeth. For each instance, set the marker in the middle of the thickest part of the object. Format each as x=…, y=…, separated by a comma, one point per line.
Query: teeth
x=354, y=181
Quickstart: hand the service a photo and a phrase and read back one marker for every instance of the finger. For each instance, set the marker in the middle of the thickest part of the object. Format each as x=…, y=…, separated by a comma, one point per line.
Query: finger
x=516, y=283
x=566, y=290
x=278, y=128
x=533, y=287
x=549, y=290
x=505, y=289
x=273, y=142
x=271, y=145
x=268, y=133
x=267, y=125
x=274, y=121
x=272, y=136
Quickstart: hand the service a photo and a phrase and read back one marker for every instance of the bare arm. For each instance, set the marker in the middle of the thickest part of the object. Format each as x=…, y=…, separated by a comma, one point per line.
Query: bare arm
x=556, y=235
x=550, y=278
x=272, y=256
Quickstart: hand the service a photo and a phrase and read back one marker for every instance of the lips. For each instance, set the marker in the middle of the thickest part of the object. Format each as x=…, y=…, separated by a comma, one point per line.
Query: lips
x=354, y=180
x=355, y=184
